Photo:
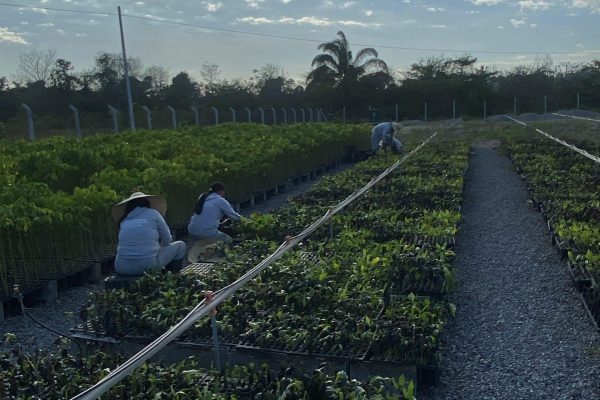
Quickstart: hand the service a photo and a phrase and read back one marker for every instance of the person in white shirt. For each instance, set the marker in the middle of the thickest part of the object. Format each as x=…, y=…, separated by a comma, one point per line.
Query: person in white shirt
x=210, y=208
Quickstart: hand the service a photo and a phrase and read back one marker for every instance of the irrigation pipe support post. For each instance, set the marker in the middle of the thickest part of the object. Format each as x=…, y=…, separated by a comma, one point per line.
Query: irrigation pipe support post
x=204, y=308
x=30, y=130
x=77, y=122
x=215, y=334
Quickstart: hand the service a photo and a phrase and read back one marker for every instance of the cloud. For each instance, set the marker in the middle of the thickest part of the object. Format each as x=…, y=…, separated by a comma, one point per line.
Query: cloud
x=500, y=27
x=139, y=4
x=592, y=5
x=486, y=2
x=11, y=37
x=471, y=12
x=347, y=4
x=368, y=13
x=534, y=5
x=579, y=45
x=254, y=3
x=286, y=1
x=533, y=25
x=409, y=21
x=314, y=21
x=434, y=9
x=517, y=22
x=34, y=9
x=439, y=26
x=212, y=7
x=46, y=25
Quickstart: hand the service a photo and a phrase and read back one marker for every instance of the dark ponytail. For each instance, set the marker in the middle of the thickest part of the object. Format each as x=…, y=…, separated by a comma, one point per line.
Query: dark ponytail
x=215, y=187
x=132, y=204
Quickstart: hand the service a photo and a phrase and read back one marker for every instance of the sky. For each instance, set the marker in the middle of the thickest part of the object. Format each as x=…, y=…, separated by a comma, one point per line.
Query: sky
x=500, y=33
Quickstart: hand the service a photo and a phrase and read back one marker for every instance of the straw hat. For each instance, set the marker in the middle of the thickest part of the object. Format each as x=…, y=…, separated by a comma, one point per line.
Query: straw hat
x=397, y=126
x=159, y=203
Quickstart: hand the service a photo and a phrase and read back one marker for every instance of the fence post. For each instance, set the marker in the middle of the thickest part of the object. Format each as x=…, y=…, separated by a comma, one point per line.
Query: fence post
x=274, y=116
x=310, y=115
x=262, y=115
x=284, y=112
x=173, y=116
x=148, y=117
x=216, y=112
x=77, y=122
x=453, y=109
x=484, y=108
x=233, y=114
x=294, y=115
x=303, y=114
x=344, y=114
x=30, y=130
x=196, y=115
x=545, y=104
x=114, y=113
x=396, y=114
x=515, y=106
x=425, y=111
x=578, y=101
x=248, y=114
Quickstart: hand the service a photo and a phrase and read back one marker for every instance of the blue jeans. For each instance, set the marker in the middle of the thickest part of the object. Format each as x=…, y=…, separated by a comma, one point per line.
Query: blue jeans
x=137, y=266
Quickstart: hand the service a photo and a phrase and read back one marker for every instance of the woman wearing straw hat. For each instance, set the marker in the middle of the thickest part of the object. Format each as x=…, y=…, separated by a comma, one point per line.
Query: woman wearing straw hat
x=144, y=237
x=384, y=133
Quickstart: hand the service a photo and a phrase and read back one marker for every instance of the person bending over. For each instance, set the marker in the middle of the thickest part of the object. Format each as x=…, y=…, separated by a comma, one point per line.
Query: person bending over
x=210, y=208
x=382, y=135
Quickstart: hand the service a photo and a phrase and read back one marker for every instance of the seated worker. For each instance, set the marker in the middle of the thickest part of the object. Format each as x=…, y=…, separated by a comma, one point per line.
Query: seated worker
x=144, y=237
x=210, y=208
x=384, y=133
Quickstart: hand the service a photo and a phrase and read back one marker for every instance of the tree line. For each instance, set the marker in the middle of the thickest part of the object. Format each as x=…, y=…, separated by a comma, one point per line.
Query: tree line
x=337, y=79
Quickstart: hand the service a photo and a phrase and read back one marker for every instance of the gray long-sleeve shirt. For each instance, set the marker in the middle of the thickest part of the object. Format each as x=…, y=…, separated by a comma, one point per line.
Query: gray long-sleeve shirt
x=383, y=132
x=206, y=224
x=142, y=234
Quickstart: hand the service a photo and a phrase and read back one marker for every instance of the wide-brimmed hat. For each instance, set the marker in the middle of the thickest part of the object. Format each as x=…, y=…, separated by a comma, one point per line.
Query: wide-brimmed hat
x=159, y=203
x=397, y=126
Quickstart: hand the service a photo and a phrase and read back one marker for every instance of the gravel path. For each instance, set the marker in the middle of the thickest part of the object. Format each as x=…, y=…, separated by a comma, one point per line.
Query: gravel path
x=521, y=331
x=63, y=312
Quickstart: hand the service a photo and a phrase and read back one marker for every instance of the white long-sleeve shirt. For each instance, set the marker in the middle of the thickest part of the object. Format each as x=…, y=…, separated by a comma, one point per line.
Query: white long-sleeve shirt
x=206, y=224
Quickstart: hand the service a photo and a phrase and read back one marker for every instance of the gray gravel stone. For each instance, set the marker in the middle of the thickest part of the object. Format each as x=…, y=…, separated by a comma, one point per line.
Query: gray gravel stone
x=521, y=331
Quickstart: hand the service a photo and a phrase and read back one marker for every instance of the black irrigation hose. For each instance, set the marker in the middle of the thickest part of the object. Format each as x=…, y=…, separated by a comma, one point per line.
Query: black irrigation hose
x=25, y=312
x=19, y=296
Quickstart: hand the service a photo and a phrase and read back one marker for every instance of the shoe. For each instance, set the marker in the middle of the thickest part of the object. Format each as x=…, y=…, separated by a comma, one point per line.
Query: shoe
x=174, y=266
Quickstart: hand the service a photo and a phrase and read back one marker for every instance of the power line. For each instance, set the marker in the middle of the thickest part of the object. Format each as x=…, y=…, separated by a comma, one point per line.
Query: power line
x=213, y=28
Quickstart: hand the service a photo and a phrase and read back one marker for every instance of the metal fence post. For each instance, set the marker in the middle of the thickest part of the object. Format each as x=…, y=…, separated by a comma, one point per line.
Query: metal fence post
x=578, y=101
x=148, y=117
x=396, y=114
x=344, y=114
x=173, y=116
x=114, y=113
x=77, y=122
x=284, y=113
x=453, y=109
x=262, y=115
x=274, y=116
x=310, y=115
x=294, y=115
x=196, y=115
x=249, y=114
x=303, y=114
x=30, y=130
x=425, y=111
x=216, y=112
x=233, y=116
x=484, y=108
x=545, y=104
x=515, y=105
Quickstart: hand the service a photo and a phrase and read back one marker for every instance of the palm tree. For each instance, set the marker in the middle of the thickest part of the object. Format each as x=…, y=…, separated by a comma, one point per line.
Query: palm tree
x=336, y=67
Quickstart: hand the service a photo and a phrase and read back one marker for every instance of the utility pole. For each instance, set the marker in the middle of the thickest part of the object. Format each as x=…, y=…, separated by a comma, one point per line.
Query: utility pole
x=126, y=74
